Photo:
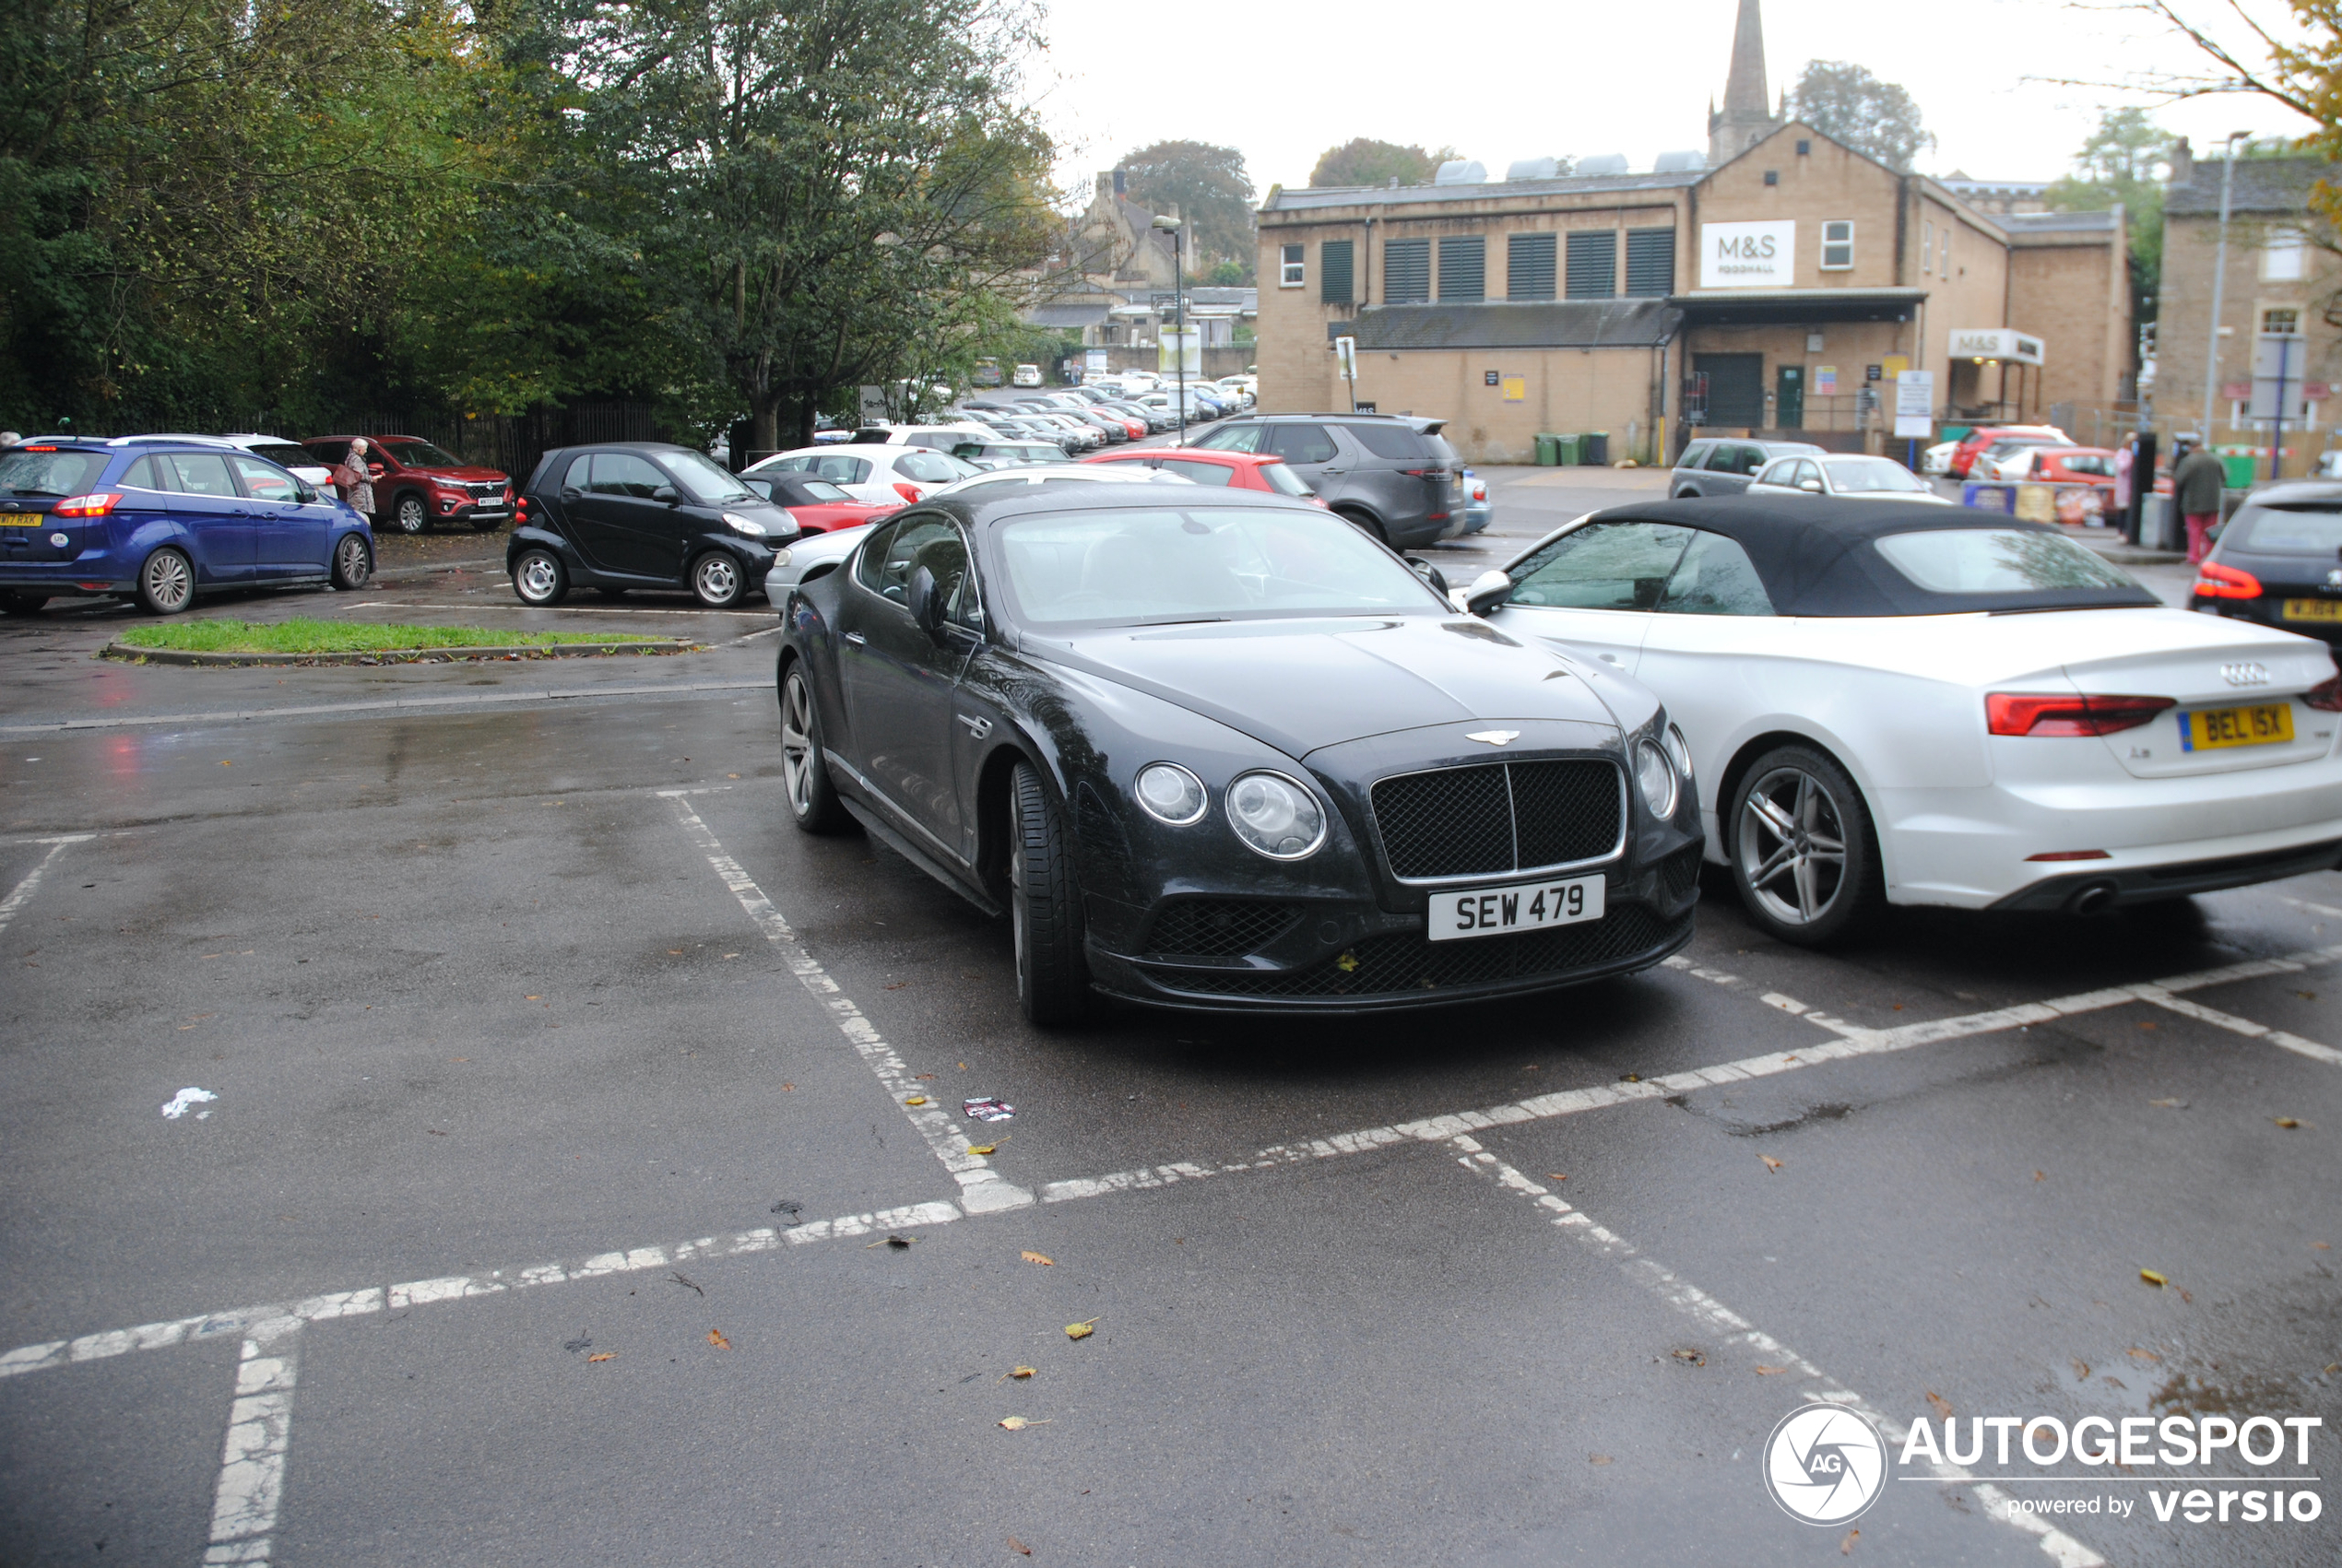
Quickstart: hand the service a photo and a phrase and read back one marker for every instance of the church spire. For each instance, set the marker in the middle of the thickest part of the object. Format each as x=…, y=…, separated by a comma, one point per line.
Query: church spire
x=1746, y=116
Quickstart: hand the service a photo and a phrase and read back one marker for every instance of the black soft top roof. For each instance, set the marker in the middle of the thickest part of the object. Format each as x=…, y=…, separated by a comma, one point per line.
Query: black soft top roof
x=1816, y=558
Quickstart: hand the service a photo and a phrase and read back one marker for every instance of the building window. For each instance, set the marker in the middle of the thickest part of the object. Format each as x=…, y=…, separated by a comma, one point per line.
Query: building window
x=1333, y=272
x=1838, y=244
x=1593, y=264
x=1464, y=266
x=1927, y=247
x=2285, y=259
x=1650, y=262
x=1528, y=266
x=2286, y=322
x=1290, y=275
x=1406, y=272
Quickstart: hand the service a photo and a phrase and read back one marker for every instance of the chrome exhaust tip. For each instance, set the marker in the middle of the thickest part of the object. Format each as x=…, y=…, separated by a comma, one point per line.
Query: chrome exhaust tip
x=2091, y=898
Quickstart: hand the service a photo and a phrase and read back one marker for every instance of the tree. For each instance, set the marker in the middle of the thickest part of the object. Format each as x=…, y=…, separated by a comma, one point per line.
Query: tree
x=1209, y=186
x=1848, y=104
x=831, y=192
x=2126, y=160
x=1362, y=160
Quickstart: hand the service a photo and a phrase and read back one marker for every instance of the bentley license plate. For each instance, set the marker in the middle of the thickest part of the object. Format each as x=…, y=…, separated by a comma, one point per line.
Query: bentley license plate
x=2263, y=724
x=1524, y=906
x=2313, y=609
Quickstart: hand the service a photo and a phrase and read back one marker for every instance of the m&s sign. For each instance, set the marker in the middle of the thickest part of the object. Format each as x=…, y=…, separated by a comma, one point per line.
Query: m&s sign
x=1748, y=255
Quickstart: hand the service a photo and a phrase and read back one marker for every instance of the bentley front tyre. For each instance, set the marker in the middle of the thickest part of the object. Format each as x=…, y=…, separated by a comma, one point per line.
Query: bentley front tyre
x=166, y=583
x=717, y=581
x=539, y=578
x=353, y=563
x=813, y=798
x=1805, y=858
x=1045, y=906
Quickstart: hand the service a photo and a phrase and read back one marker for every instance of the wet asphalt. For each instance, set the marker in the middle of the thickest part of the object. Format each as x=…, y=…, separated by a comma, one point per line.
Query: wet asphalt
x=474, y=999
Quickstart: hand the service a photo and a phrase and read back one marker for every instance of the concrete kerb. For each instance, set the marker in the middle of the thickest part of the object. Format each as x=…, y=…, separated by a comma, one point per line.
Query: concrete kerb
x=401, y=656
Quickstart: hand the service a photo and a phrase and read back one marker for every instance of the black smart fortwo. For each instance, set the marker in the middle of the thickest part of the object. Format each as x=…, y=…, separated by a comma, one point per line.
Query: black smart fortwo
x=1222, y=750
x=640, y=514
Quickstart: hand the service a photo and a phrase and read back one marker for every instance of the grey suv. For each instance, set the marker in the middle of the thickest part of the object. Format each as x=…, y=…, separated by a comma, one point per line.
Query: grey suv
x=1393, y=474
x=1724, y=465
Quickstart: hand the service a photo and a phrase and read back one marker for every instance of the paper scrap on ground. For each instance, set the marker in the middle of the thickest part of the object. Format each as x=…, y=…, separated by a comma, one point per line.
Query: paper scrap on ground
x=988, y=1108
x=186, y=1100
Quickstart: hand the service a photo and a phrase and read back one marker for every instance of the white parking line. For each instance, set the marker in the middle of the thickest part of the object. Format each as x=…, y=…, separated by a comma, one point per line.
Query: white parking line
x=252, y=1463
x=982, y=1190
x=2245, y=1027
x=20, y=895
x=1711, y=1313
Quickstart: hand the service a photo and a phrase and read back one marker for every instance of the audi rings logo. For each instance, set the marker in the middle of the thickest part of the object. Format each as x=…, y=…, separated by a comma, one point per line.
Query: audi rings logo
x=2245, y=673
x=1825, y=1464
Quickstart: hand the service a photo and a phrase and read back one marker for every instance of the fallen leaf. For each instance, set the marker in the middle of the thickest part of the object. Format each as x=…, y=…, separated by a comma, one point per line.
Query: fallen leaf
x=2170, y=1104
x=1598, y=1458
x=915, y=1099
x=1631, y=1078
x=675, y=952
x=2041, y=1175
x=2153, y=1278
x=1846, y=1547
x=898, y=1243
x=1036, y=1257
x=603, y=1356
x=716, y=1337
x=1694, y=1357
x=1770, y=1163
x=923, y=1077
x=2081, y=1370
x=789, y=1086
x=2139, y=1355
x=435, y=1132
x=1770, y=1371
x=2285, y=1121
x=1555, y=1177
x=2113, y=1382
x=1022, y=1372
x=2185, y=1297
x=2323, y=1246
x=534, y=998
x=731, y=775
x=1080, y=1330
x=2307, y=995
x=1015, y=1424
x=2148, y=1023
x=1014, y=1544
x=982, y=1147
x=1941, y=1406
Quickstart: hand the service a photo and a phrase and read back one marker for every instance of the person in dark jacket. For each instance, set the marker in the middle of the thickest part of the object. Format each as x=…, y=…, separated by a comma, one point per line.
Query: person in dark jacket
x=2197, y=482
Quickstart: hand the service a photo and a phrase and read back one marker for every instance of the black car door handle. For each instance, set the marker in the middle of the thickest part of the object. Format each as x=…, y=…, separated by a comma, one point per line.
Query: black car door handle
x=855, y=638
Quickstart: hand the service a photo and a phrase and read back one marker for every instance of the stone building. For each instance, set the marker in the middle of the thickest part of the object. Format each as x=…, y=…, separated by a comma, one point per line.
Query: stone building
x=1781, y=289
x=2283, y=274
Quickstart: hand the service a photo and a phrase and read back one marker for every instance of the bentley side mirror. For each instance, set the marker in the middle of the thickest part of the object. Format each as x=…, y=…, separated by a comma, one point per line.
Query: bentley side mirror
x=1487, y=591
x=926, y=606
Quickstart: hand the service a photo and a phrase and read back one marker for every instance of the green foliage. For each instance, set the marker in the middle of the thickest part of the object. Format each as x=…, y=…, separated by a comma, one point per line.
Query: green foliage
x=302, y=635
x=2126, y=159
x=1209, y=186
x=1227, y=275
x=1362, y=160
x=1853, y=108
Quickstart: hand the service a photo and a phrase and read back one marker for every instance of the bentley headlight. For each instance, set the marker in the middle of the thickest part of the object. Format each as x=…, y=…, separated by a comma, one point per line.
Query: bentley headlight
x=1655, y=776
x=1276, y=815
x=1171, y=793
x=1679, y=749
x=739, y=525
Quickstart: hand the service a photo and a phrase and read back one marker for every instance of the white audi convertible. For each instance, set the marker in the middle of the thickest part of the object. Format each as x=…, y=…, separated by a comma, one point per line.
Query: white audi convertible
x=1942, y=707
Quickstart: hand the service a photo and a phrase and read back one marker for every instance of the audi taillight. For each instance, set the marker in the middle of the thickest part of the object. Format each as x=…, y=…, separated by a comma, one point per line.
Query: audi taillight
x=95, y=505
x=906, y=491
x=2214, y=581
x=2031, y=713
x=2326, y=695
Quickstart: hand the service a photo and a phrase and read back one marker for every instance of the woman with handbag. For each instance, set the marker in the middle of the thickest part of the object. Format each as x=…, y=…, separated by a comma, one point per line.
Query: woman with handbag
x=357, y=486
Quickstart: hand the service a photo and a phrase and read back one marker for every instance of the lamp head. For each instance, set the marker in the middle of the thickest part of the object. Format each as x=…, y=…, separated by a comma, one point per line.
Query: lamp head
x=1167, y=224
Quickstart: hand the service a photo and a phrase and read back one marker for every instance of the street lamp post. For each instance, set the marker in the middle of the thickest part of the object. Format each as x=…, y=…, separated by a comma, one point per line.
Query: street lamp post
x=1179, y=319
x=2219, y=284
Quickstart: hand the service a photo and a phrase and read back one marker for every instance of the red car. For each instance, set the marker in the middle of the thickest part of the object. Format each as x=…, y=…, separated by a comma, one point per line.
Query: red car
x=819, y=506
x=2069, y=466
x=416, y=485
x=1982, y=436
x=1236, y=470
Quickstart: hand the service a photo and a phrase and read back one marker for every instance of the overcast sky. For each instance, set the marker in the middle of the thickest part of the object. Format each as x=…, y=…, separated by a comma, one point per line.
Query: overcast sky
x=1505, y=79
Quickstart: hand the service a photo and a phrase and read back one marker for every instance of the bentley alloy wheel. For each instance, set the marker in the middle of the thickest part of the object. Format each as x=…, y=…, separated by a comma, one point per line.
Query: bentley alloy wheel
x=811, y=799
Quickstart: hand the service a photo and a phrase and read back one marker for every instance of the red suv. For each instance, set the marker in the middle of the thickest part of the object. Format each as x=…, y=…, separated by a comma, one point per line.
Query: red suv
x=416, y=485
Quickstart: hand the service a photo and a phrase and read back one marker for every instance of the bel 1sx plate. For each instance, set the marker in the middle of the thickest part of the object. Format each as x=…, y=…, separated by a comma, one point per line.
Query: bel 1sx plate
x=1522, y=906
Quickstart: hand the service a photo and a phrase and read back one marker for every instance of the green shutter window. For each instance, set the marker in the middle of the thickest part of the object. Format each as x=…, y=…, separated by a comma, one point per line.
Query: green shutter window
x=1650, y=262
x=1464, y=266
x=1593, y=264
x=1333, y=272
x=1529, y=267
x=1406, y=272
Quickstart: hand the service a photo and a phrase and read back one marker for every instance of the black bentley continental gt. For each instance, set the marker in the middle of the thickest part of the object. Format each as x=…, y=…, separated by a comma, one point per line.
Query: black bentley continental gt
x=1222, y=750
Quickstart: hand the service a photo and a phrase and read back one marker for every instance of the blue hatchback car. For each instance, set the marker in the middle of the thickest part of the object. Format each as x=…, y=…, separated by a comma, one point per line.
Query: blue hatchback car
x=163, y=519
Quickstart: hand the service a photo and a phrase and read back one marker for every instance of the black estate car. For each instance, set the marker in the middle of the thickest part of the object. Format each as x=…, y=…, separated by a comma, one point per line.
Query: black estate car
x=1393, y=474
x=2278, y=561
x=1213, y=749
x=640, y=514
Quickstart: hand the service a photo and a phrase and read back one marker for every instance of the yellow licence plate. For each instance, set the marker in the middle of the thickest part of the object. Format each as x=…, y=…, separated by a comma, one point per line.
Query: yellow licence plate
x=2264, y=723
x=2313, y=609
x=23, y=520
